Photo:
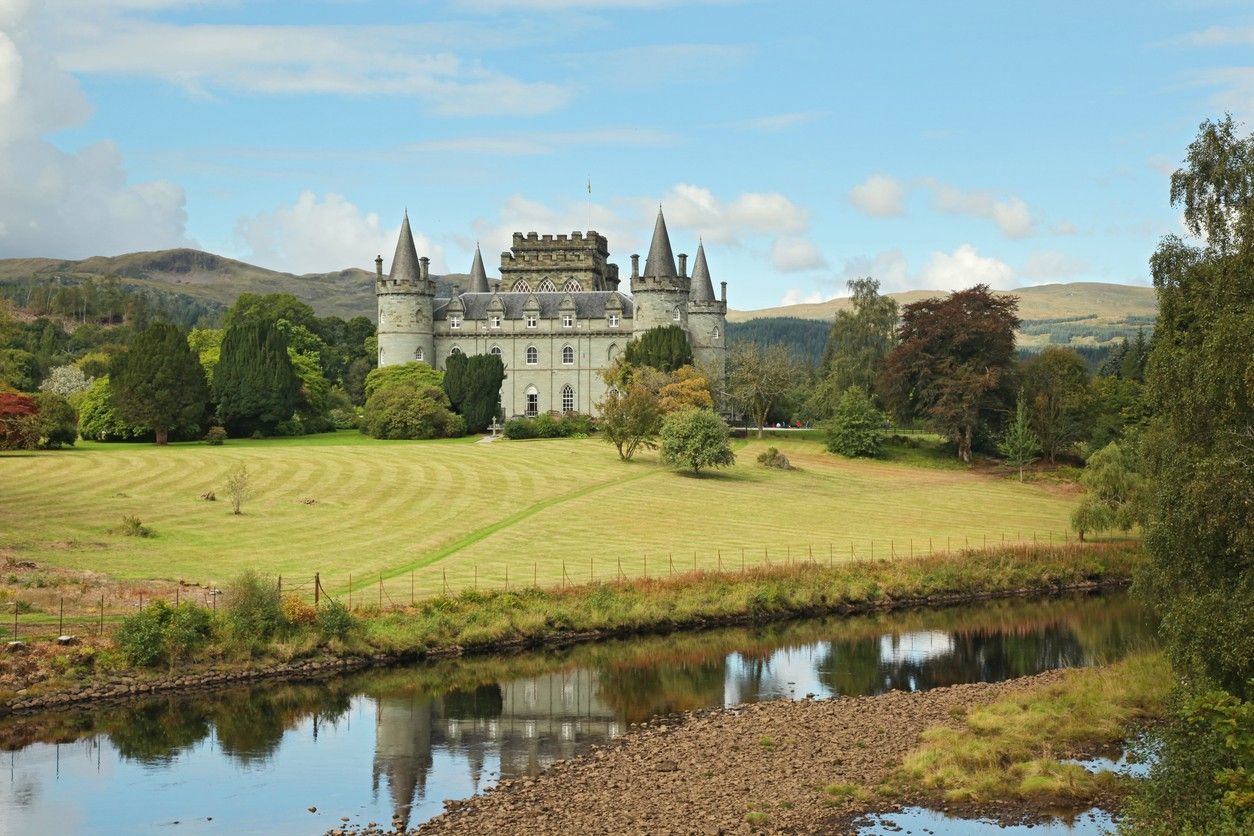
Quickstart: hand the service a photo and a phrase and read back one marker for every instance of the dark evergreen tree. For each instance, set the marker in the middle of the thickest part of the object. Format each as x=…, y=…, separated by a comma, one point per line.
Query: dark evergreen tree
x=480, y=390
x=159, y=382
x=665, y=349
x=254, y=382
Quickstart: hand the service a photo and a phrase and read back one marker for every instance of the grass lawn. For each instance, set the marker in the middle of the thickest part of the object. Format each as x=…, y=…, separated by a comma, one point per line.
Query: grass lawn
x=464, y=511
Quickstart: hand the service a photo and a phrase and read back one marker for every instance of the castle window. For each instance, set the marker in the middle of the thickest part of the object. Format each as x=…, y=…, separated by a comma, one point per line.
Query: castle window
x=546, y=286
x=418, y=355
x=568, y=320
x=455, y=350
x=677, y=314
x=613, y=318
x=496, y=351
x=496, y=320
x=521, y=286
x=572, y=286
x=455, y=321
x=533, y=355
x=533, y=402
x=568, y=355
x=568, y=399
x=715, y=333
x=612, y=352
x=531, y=320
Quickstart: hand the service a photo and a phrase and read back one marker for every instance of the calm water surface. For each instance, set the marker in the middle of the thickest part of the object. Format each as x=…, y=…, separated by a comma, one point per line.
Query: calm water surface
x=400, y=741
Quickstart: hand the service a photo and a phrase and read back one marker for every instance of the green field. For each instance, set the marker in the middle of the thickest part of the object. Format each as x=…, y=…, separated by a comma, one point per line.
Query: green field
x=427, y=512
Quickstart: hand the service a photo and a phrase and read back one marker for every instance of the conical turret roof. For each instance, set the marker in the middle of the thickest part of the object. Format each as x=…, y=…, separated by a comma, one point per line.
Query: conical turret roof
x=405, y=261
x=478, y=276
x=702, y=287
x=661, y=261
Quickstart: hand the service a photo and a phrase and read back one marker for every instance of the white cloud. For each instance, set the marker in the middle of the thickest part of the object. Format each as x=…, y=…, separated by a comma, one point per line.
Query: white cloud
x=879, y=196
x=1011, y=216
x=1044, y=265
x=797, y=296
x=889, y=267
x=668, y=64
x=66, y=204
x=793, y=255
x=1236, y=88
x=318, y=236
x=520, y=214
x=695, y=208
x=965, y=267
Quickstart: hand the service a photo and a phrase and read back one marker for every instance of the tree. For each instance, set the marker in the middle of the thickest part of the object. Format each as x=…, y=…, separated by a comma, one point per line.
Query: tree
x=684, y=388
x=665, y=348
x=1019, y=445
x=1114, y=495
x=238, y=487
x=254, y=382
x=57, y=421
x=630, y=418
x=158, y=382
x=18, y=369
x=19, y=429
x=66, y=381
x=270, y=308
x=1118, y=407
x=857, y=427
x=1059, y=398
x=860, y=338
x=696, y=438
x=414, y=373
x=758, y=378
x=473, y=385
x=954, y=365
x=405, y=411
x=98, y=420
x=207, y=344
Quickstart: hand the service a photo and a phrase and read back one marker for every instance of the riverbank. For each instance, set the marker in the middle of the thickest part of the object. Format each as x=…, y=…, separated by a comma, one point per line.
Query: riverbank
x=817, y=766
x=49, y=676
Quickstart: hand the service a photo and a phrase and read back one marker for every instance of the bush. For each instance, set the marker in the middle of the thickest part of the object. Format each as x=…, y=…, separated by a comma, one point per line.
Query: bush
x=252, y=609
x=99, y=421
x=696, y=438
x=290, y=428
x=857, y=426
x=773, y=458
x=216, y=436
x=344, y=418
x=415, y=374
x=335, y=621
x=132, y=526
x=548, y=425
x=297, y=611
x=404, y=411
x=162, y=633
x=519, y=428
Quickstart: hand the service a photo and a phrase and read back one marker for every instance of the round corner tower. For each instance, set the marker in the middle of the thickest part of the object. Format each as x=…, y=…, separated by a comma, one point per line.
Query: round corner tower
x=707, y=320
x=406, y=299
x=660, y=294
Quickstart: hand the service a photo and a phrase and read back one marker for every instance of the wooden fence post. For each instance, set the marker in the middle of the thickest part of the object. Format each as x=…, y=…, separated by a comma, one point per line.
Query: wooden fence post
x=317, y=588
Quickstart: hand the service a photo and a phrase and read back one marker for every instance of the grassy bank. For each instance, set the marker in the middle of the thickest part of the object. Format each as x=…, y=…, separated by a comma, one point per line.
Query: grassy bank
x=1014, y=749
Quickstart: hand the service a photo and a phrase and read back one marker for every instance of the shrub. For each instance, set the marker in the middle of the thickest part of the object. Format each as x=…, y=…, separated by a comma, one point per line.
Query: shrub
x=415, y=374
x=216, y=436
x=519, y=428
x=404, y=411
x=335, y=621
x=132, y=526
x=298, y=612
x=290, y=427
x=344, y=418
x=773, y=458
x=252, y=609
x=857, y=426
x=547, y=426
x=99, y=421
x=696, y=438
x=162, y=633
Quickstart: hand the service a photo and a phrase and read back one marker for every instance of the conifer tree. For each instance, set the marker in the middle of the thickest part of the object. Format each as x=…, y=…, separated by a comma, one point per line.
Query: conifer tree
x=159, y=382
x=1019, y=444
x=254, y=382
x=665, y=349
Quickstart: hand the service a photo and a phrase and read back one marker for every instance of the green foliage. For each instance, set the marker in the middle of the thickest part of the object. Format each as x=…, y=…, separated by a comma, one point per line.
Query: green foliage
x=314, y=404
x=860, y=338
x=954, y=365
x=160, y=633
x=1115, y=491
x=418, y=375
x=255, y=383
x=133, y=526
x=98, y=420
x=570, y=425
x=253, y=608
x=1059, y=398
x=270, y=308
x=402, y=410
x=473, y=385
x=18, y=369
x=58, y=421
x=159, y=382
x=1019, y=445
x=758, y=378
x=630, y=417
x=696, y=438
x=805, y=339
x=665, y=348
x=206, y=343
x=335, y=621
x=1119, y=407
x=773, y=458
x=216, y=436
x=857, y=427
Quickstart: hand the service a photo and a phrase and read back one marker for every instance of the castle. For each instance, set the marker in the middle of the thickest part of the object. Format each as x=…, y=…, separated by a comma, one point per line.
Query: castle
x=556, y=317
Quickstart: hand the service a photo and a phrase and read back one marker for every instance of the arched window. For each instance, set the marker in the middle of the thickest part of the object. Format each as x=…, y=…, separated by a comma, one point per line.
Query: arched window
x=521, y=286
x=572, y=286
x=546, y=286
x=533, y=402
x=496, y=351
x=677, y=315
x=418, y=355
x=568, y=398
x=533, y=355
x=612, y=353
x=568, y=355
x=715, y=333
x=455, y=350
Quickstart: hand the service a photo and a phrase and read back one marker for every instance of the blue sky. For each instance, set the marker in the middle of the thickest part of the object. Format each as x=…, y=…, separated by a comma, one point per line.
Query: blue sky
x=926, y=144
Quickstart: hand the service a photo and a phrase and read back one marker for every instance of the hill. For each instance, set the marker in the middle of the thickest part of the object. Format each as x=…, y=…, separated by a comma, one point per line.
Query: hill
x=208, y=278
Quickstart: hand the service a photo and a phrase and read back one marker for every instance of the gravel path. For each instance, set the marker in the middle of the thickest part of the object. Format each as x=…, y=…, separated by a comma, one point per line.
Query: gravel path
x=704, y=772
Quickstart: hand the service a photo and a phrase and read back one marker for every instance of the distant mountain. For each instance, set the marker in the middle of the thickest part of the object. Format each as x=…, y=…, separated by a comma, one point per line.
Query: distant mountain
x=211, y=278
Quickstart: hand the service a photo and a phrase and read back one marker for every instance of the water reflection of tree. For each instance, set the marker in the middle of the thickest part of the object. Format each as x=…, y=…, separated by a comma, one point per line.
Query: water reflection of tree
x=637, y=692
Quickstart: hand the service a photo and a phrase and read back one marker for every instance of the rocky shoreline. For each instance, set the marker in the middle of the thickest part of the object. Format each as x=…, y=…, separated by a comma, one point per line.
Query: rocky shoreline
x=127, y=685
x=779, y=767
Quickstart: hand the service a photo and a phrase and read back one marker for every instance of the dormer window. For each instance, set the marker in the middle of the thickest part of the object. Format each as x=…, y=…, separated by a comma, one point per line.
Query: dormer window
x=531, y=320
x=613, y=320
x=455, y=321
x=495, y=320
x=568, y=320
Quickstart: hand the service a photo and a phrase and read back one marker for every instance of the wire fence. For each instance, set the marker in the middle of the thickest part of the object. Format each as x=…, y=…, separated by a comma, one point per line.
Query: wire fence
x=64, y=616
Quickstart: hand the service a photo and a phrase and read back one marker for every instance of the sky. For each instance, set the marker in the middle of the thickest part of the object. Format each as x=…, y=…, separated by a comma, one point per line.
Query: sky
x=928, y=145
